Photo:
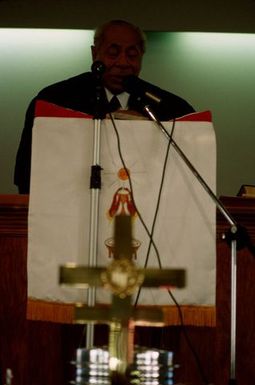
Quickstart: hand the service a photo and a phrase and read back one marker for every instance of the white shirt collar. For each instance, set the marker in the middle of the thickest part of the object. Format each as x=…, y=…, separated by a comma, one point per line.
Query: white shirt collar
x=123, y=98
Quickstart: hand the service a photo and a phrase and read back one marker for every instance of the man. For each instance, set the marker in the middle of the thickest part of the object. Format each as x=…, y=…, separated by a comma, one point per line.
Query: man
x=120, y=46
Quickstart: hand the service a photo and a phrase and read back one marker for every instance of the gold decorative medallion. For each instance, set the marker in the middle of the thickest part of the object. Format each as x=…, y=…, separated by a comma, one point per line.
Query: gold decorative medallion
x=122, y=277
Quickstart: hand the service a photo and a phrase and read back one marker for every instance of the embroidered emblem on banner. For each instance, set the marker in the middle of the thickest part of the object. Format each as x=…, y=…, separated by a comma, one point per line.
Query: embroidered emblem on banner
x=122, y=204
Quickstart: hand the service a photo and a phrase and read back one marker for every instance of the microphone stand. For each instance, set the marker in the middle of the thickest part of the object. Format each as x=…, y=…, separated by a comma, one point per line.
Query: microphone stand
x=95, y=186
x=237, y=236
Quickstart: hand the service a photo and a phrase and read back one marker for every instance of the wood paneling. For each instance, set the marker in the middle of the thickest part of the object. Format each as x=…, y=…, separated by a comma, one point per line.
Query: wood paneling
x=243, y=211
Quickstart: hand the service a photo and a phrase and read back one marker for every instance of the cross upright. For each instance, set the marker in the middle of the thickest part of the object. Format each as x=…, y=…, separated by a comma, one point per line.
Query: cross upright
x=122, y=277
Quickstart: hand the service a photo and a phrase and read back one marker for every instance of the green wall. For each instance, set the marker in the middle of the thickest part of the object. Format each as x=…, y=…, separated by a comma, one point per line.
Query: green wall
x=212, y=71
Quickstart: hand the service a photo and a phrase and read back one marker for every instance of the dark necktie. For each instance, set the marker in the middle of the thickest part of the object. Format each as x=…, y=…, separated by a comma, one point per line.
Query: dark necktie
x=114, y=104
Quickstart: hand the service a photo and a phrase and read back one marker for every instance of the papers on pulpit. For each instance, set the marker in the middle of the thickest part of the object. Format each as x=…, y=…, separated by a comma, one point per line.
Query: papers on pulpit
x=59, y=210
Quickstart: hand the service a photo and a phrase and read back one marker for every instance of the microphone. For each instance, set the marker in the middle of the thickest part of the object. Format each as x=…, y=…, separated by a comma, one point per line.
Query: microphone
x=140, y=89
x=98, y=97
x=98, y=68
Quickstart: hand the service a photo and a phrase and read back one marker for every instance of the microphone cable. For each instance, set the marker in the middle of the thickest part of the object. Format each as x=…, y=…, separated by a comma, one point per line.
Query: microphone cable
x=152, y=243
x=156, y=212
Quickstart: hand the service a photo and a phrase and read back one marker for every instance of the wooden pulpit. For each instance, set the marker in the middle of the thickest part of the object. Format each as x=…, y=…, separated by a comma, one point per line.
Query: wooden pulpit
x=38, y=340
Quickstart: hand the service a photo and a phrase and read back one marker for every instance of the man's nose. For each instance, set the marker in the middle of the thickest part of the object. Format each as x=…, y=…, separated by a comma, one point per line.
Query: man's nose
x=122, y=59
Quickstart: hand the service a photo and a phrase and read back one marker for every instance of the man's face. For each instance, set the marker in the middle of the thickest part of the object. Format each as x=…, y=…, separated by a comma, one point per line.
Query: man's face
x=121, y=53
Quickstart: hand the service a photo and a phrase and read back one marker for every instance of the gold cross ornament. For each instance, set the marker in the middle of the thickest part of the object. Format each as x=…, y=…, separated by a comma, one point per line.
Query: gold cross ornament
x=123, y=278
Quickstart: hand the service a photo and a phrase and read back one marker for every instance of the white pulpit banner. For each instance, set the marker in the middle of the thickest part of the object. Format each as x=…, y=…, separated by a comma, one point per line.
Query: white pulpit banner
x=59, y=207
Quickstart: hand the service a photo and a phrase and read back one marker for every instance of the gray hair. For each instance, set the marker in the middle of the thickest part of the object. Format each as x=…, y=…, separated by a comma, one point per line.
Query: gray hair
x=100, y=30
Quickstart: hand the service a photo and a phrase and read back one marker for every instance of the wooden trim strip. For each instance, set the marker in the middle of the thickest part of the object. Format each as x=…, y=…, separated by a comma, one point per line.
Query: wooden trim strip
x=202, y=316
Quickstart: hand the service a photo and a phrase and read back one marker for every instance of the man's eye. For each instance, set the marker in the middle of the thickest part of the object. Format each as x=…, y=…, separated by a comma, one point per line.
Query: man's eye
x=113, y=51
x=132, y=53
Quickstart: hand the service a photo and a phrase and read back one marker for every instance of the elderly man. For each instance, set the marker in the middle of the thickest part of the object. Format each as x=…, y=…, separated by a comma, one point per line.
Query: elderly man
x=120, y=46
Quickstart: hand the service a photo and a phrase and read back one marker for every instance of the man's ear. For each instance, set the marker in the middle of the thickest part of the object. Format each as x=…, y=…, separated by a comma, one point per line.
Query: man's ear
x=93, y=52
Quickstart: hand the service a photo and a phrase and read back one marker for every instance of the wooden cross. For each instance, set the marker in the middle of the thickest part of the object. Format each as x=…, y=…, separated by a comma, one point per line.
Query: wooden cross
x=123, y=278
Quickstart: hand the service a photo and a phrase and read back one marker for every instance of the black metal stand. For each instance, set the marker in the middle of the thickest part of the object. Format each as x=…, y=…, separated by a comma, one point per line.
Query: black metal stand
x=237, y=237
